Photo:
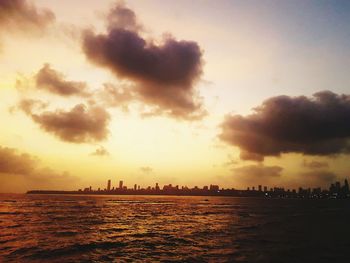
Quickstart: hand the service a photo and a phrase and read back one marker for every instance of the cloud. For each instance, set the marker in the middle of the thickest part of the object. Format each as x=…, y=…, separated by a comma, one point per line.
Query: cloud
x=20, y=172
x=318, y=177
x=314, y=164
x=164, y=74
x=54, y=82
x=14, y=163
x=22, y=15
x=123, y=18
x=30, y=105
x=256, y=174
x=117, y=96
x=78, y=125
x=146, y=169
x=312, y=126
x=101, y=151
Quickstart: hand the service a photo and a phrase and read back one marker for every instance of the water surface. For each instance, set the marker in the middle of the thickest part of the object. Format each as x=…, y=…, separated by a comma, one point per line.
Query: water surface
x=63, y=228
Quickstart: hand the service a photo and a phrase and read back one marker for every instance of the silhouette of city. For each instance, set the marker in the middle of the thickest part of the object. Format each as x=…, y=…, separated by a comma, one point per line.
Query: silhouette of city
x=336, y=191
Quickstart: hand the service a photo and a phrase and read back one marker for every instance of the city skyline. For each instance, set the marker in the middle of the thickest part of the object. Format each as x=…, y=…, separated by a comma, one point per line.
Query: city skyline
x=336, y=191
x=232, y=93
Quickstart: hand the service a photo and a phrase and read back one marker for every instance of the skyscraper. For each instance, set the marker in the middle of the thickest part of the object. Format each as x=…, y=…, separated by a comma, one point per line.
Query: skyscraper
x=337, y=186
x=346, y=186
x=120, y=184
x=109, y=185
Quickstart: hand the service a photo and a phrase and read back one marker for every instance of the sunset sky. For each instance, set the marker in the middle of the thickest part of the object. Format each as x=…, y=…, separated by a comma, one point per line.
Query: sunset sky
x=235, y=93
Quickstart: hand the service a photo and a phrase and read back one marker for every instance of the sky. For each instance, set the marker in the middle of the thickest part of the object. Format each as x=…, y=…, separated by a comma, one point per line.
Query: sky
x=234, y=93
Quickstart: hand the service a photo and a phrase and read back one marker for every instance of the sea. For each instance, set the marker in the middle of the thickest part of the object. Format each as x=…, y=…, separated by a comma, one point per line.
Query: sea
x=82, y=228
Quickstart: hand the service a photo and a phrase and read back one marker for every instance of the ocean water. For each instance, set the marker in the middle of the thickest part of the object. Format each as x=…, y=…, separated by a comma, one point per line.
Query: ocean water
x=63, y=228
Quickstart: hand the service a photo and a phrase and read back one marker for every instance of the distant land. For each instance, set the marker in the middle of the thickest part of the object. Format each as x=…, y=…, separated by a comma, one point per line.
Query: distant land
x=335, y=191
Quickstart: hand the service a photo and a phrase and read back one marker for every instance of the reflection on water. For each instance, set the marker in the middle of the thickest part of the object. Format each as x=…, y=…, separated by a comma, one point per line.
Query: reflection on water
x=49, y=228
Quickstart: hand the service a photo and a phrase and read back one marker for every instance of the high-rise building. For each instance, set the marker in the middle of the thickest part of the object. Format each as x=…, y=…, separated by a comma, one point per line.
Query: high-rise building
x=120, y=184
x=260, y=188
x=109, y=185
x=214, y=187
x=157, y=187
x=346, y=186
x=337, y=186
x=135, y=187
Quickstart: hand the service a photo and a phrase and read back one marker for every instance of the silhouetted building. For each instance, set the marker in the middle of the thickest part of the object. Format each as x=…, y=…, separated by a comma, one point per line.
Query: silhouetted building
x=214, y=187
x=337, y=187
x=109, y=185
x=346, y=186
x=336, y=191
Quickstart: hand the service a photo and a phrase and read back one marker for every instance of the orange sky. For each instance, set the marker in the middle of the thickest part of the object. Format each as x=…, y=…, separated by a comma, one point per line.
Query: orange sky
x=151, y=91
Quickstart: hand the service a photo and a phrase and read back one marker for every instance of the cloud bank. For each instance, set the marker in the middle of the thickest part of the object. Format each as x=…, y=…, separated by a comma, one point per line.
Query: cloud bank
x=20, y=172
x=319, y=125
x=54, y=82
x=80, y=124
x=164, y=74
x=20, y=14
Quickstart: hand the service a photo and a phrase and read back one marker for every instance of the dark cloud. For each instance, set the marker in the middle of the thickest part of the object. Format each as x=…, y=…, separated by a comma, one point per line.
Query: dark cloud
x=146, y=169
x=20, y=172
x=164, y=74
x=314, y=164
x=21, y=14
x=256, y=174
x=101, y=151
x=53, y=81
x=80, y=124
x=313, y=126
